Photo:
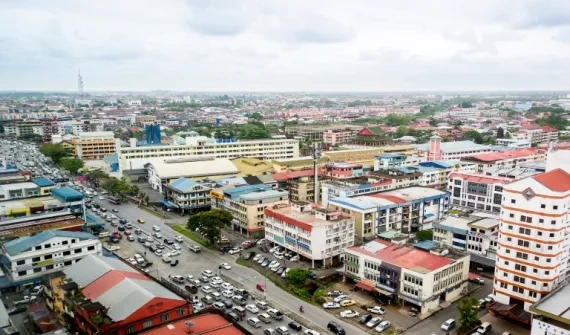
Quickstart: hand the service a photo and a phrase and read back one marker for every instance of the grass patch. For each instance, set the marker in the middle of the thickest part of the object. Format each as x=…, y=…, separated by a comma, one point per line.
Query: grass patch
x=191, y=235
x=455, y=212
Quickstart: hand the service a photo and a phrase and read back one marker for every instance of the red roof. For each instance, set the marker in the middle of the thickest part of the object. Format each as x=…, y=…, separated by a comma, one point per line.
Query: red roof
x=204, y=324
x=406, y=257
x=497, y=156
x=108, y=281
x=281, y=176
x=391, y=198
x=480, y=178
x=530, y=126
x=557, y=180
x=549, y=129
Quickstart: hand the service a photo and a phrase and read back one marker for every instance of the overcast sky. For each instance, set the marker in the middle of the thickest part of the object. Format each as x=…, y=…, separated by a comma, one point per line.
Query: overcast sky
x=289, y=45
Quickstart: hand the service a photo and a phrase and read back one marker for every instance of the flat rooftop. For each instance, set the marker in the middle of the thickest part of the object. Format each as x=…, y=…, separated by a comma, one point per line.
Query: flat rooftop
x=555, y=305
x=308, y=217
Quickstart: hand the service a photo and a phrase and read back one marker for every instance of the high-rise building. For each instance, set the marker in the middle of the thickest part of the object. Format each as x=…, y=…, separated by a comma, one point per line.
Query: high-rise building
x=533, y=247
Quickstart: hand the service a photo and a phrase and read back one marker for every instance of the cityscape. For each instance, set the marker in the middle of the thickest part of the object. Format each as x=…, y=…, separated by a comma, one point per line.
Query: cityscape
x=283, y=168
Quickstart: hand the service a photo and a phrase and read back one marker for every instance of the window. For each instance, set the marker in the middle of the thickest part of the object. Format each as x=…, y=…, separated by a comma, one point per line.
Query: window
x=77, y=251
x=539, y=233
x=35, y=259
x=521, y=255
x=523, y=243
x=527, y=219
x=511, y=215
x=130, y=329
x=49, y=267
x=147, y=323
x=164, y=317
x=180, y=312
x=37, y=270
x=555, y=207
x=38, y=247
x=525, y=231
x=47, y=245
x=538, y=245
x=519, y=267
x=549, y=247
x=553, y=222
x=533, y=282
x=535, y=270
x=518, y=290
x=536, y=258
x=67, y=263
x=548, y=260
x=64, y=242
x=540, y=220
x=519, y=279
x=546, y=272
x=543, y=206
x=91, y=248
x=22, y=273
x=48, y=257
x=67, y=253
x=551, y=234
x=513, y=201
x=22, y=262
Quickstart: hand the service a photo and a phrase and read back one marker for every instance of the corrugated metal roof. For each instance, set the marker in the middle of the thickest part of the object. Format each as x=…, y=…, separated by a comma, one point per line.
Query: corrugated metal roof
x=22, y=244
x=183, y=185
x=66, y=193
x=42, y=182
x=91, y=267
x=130, y=295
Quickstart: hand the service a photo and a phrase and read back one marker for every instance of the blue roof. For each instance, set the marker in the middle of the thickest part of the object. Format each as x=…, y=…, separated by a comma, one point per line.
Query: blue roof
x=111, y=159
x=43, y=182
x=391, y=156
x=238, y=191
x=356, y=203
x=265, y=194
x=232, y=180
x=183, y=185
x=426, y=245
x=19, y=245
x=66, y=194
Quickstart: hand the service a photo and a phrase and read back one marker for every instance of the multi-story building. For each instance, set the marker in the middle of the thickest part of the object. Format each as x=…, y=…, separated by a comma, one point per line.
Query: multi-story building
x=26, y=259
x=144, y=119
x=315, y=234
x=247, y=203
x=511, y=143
x=104, y=295
x=407, y=275
x=341, y=171
x=476, y=234
x=393, y=161
x=94, y=145
x=316, y=133
x=405, y=210
x=186, y=196
x=36, y=187
x=339, y=136
x=301, y=184
x=199, y=146
x=532, y=258
x=21, y=128
x=476, y=191
x=536, y=134
x=436, y=150
x=507, y=159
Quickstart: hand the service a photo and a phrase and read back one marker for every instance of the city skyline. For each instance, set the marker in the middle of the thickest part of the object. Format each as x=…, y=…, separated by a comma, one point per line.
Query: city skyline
x=292, y=46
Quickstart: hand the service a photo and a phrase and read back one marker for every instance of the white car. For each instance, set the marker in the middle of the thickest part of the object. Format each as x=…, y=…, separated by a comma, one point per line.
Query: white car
x=311, y=332
x=235, y=251
x=257, y=257
x=166, y=259
x=349, y=314
x=207, y=273
x=176, y=246
x=330, y=305
x=252, y=308
x=226, y=266
x=382, y=326
x=132, y=260
x=179, y=239
x=340, y=298
x=376, y=310
x=156, y=228
x=262, y=241
x=206, y=289
x=272, y=250
x=113, y=248
x=157, y=235
x=278, y=256
x=228, y=293
x=101, y=197
x=272, y=264
x=158, y=252
x=174, y=253
x=227, y=286
x=189, y=277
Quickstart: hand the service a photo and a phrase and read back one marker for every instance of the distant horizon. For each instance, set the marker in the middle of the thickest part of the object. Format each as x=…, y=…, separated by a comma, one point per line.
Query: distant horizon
x=441, y=92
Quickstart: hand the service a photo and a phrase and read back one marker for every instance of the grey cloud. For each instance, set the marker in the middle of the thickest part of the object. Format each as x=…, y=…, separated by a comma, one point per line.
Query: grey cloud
x=218, y=18
x=311, y=28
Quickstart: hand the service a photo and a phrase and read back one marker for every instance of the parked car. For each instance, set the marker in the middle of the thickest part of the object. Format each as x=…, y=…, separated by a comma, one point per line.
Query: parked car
x=331, y=305
x=374, y=322
x=376, y=310
x=365, y=318
x=349, y=314
x=382, y=326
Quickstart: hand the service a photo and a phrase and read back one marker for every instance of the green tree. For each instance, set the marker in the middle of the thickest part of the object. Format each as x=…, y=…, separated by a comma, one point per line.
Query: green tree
x=433, y=122
x=395, y=120
x=466, y=104
x=209, y=224
x=424, y=235
x=54, y=151
x=297, y=276
x=255, y=116
x=71, y=164
x=500, y=133
x=475, y=136
x=252, y=131
x=401, y=131
x=556, y=121
x=468, y=310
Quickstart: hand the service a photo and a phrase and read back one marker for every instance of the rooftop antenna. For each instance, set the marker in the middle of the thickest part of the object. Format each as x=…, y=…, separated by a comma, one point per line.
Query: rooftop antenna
x=79, y=83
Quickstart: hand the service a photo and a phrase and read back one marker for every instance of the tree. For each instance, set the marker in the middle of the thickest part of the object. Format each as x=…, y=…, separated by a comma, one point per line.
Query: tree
x=255, y=116
x=432, y=122
x=424, y=235
x=468, y=310
x=401, y=131
x=475, y=136
x=500, y=133
x=209, y=224
x=297, y=276
x=71, y=164
x=466, y=104
x=253, y=131
x=54, y=151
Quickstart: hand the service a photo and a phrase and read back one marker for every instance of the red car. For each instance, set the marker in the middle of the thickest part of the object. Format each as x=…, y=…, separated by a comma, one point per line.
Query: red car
x=260, y=287
x=128, y=233
x=117, y=235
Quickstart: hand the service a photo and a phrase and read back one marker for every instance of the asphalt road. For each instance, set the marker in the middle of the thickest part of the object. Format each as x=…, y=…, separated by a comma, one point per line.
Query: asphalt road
x=194, y=264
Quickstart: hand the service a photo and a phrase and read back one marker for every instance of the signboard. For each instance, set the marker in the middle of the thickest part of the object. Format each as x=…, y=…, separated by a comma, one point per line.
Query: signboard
x=216, y=195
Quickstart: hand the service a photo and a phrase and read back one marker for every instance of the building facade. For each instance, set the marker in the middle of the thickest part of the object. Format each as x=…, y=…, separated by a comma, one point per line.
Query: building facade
x=338, y=136
x=187, y=196
x=507, y=159
x=475, y=191
x=315, y=234
x=94, y=145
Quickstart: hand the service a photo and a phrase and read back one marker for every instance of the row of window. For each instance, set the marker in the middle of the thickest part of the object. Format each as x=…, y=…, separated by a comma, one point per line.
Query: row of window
x=519, y=290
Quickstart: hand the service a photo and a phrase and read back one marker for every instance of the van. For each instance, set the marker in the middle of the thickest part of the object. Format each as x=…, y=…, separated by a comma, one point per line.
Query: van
x=335, y=328
x=275, y=313
x=194, y=248
x=264, y=317
x=484, y=328
x=104, y=234
x=254, y=322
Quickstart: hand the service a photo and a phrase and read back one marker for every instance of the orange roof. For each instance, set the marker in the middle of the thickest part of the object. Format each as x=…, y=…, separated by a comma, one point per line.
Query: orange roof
x=557, y=180
x=480, y=178
x=295, y=174
x=391, y=198
x=497, y=156
x=406, y=257
x=109, y=280
x=204, y=324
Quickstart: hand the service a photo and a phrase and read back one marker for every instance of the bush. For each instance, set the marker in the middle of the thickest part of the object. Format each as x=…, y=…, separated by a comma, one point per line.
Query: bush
x=318, y=296
x=297, y=276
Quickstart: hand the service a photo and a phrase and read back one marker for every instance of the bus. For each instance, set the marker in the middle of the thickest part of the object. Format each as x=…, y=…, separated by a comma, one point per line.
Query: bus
x=114, y=200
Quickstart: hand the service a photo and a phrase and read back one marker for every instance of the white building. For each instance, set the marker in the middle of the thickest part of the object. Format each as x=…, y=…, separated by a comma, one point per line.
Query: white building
x=513, y=143
x=316, y=234
x=408, y=275
x=262, y=149
x=507, y=159
x=476, y=191
x=532, y=258
x=437, y=150
x=550, y=314
x=47, y=252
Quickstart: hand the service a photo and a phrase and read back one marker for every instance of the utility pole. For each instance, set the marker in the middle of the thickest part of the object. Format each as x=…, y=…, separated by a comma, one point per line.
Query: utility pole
x=316, y=151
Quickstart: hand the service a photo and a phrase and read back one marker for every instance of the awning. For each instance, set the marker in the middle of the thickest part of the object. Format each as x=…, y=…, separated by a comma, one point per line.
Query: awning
x=365, y=286
x=384, y=292
x=168, y=203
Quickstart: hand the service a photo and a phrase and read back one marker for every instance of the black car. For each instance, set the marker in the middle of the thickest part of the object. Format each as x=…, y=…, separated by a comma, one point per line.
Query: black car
x=191, y=288
x=174, y=262
x=335, y=328
x=167, y=241
x=226, y=248
x=312, y=275
x=115, y=240
x=146, y=265
x=141, y=239
x=228, y=303
x=249, y=255
x=152, y=248
x=295, y=326
x=264, y=249
x=121, y=228
x=234, y=316
x=365, y=318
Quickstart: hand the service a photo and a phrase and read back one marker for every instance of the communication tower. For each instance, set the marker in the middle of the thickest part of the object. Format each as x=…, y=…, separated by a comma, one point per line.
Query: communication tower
x=79, y=83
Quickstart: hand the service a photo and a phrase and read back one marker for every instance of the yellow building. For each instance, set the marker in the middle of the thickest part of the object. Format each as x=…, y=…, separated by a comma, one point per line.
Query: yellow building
x=251, y=166
x=93, y=145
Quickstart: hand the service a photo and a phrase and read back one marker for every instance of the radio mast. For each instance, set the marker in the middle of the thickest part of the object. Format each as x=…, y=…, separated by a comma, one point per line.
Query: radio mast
x=79, y=83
